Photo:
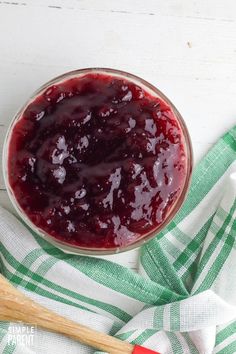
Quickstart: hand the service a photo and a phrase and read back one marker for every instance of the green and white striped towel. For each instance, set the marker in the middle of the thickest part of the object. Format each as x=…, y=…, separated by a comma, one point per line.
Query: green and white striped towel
x=182, y=301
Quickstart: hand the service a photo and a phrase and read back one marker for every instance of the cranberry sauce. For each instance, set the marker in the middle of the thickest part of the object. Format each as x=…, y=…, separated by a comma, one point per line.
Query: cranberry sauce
x=96, y=161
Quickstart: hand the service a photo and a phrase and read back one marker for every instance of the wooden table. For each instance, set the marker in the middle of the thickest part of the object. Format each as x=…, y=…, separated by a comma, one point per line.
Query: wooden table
x=186, y=48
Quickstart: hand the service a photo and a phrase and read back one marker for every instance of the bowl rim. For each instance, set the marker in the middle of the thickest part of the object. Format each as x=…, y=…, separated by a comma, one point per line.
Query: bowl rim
x=74, y=249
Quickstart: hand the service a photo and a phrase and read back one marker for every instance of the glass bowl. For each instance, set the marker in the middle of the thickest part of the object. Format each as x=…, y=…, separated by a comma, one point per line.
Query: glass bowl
x=144, y=238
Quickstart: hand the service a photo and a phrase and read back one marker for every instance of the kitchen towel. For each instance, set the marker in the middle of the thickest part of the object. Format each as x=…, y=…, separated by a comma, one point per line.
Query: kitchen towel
x=183, y=300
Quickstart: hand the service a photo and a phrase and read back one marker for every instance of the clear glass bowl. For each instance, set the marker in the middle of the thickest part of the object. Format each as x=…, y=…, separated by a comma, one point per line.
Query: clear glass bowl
x=140, y=241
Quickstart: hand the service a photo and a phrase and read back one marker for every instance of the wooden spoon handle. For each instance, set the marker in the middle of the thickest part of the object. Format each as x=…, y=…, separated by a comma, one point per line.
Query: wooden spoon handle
x=16, y=307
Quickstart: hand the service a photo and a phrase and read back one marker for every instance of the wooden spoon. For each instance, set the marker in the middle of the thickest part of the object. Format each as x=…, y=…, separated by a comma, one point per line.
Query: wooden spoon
x=16, y=307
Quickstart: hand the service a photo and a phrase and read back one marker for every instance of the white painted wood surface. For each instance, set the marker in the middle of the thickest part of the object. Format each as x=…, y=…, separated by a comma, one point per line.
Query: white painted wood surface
x=186, y=48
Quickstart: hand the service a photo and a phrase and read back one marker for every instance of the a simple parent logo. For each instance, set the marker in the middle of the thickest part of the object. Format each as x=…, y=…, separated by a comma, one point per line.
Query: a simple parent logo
x=19, y=334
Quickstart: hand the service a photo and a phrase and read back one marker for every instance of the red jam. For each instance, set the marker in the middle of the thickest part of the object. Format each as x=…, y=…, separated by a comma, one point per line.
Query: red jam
x=96, y=161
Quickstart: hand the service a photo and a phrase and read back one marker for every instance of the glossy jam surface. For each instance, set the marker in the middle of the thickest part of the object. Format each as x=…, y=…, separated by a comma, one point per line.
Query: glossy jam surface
x=96, y=161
